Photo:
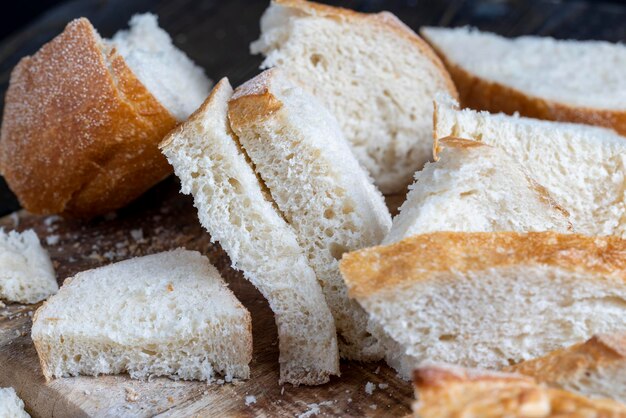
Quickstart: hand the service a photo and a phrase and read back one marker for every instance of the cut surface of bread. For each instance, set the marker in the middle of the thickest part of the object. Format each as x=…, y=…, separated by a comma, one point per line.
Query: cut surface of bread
x=539, y=77
x=489, y=299
x=11, y=406
x=373, y=73
x=80, y=130
x=595, y=368
x=444, y=391
x=26, y=272
x=582, y=167
x=167, y=314
x=298, y=149
x=235, y=209
x=474, y=187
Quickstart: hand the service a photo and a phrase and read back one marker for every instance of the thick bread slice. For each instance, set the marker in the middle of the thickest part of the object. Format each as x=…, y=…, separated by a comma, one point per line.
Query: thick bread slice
x=238, y=213
x=545, y=78
x=80, y=130
x=167, y=314
x=489, y=299
x=474, y=187
x=26, y=272
x=582, y=167
x=444, y=391
x=11, y=406
x=299, y=151
x=595, y=368
x=373, y=73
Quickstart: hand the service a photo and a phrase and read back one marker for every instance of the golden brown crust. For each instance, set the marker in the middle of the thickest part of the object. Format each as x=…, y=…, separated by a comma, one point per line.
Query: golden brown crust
x=420, y=257
x=455, y=392
x=253, y=102
x=481, y=94
x=80, y=131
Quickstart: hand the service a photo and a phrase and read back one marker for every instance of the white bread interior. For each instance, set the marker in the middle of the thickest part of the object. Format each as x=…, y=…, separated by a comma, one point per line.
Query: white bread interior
x=300, y=153
x=11, y=406
x=238, y=213
x=26, y=272
x=582, y=167
x=167, y=314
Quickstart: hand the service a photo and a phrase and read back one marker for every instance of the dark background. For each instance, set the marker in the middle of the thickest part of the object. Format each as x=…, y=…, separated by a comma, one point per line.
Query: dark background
x=216, y=34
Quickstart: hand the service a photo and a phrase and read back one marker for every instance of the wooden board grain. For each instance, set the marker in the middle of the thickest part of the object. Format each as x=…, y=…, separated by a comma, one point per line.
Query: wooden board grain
x=163, y=220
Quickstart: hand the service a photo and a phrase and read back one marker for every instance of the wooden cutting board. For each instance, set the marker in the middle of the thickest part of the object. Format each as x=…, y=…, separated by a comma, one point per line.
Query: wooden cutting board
x=164, y=220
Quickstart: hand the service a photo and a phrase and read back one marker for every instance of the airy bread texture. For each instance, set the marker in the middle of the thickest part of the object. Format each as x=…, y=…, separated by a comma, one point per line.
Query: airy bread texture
x=80, y=130
x=582, y=167
x=489, y=299
x=167, y=314
x=596, y=368
x=445, y=391
x=536, y=76
x=10, y=405
x=238, y=212
x=373, y=73
x=474, y=187
x=26, y=272
x=298, y=149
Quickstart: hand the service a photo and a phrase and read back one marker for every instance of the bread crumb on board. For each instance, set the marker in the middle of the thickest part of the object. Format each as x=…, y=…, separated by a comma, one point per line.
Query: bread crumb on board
x=370, y=388
x=52, y=239
x=314, y=409
x=250, y=399
x=131, y=395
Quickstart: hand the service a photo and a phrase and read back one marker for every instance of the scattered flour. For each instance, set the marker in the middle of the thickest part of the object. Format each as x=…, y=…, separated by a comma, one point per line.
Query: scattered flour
x=250, y=400
x=314, y=409
x=369, y=388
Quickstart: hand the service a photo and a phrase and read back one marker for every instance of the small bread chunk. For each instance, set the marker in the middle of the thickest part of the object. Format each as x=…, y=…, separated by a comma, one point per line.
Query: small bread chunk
x=444, y=391
x=374, y=74
x=11, y=406
x=81, y=129
x=298, y=149
x=26, y=272
x=596, y=368
x=482, y=299
x=235, y=208
x=538, y=77
x=582, y=167
x=474, y=187
x=167, y=314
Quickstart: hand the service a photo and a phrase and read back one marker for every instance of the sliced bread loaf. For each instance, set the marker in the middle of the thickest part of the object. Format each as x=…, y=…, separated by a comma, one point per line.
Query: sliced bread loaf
x=545, y=78
x=11, y=406
x=236, y=209
x=582, y=167
x=595, y=368
x=373, y=73
x=489, y=299
x=167, y=314
x=298, y=149
x=26, y=272
x=475, y=187
x=445, y=391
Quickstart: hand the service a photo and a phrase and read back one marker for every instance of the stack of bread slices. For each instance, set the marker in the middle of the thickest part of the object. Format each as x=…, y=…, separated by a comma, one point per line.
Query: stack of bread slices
x=508, y=253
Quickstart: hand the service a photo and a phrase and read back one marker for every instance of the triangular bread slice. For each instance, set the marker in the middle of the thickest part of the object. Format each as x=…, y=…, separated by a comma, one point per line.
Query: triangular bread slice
x=489, y=299
x=373, y=73
x=594, y=368
x=298, y=149
x=446, y=391
x=475, y=187
x=582, y=167
x=237, y=211
x=539, y=77
x=167, y=314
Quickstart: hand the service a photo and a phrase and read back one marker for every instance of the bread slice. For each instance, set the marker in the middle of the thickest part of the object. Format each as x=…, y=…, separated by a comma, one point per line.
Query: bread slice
x=373, y=73
x=538, y=77
x=595, y=368
x=11, y=406
x=26, y=272
x=81, y=124
x=582, y=167
x=167, y=314
x=237, y=211
x=299, y=151
x=474, y=187
x=489, y=299
x=444, y=391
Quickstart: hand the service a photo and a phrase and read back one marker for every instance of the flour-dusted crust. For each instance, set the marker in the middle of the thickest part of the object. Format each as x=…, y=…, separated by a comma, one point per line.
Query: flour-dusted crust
x=80, y=132
x=418, y=258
